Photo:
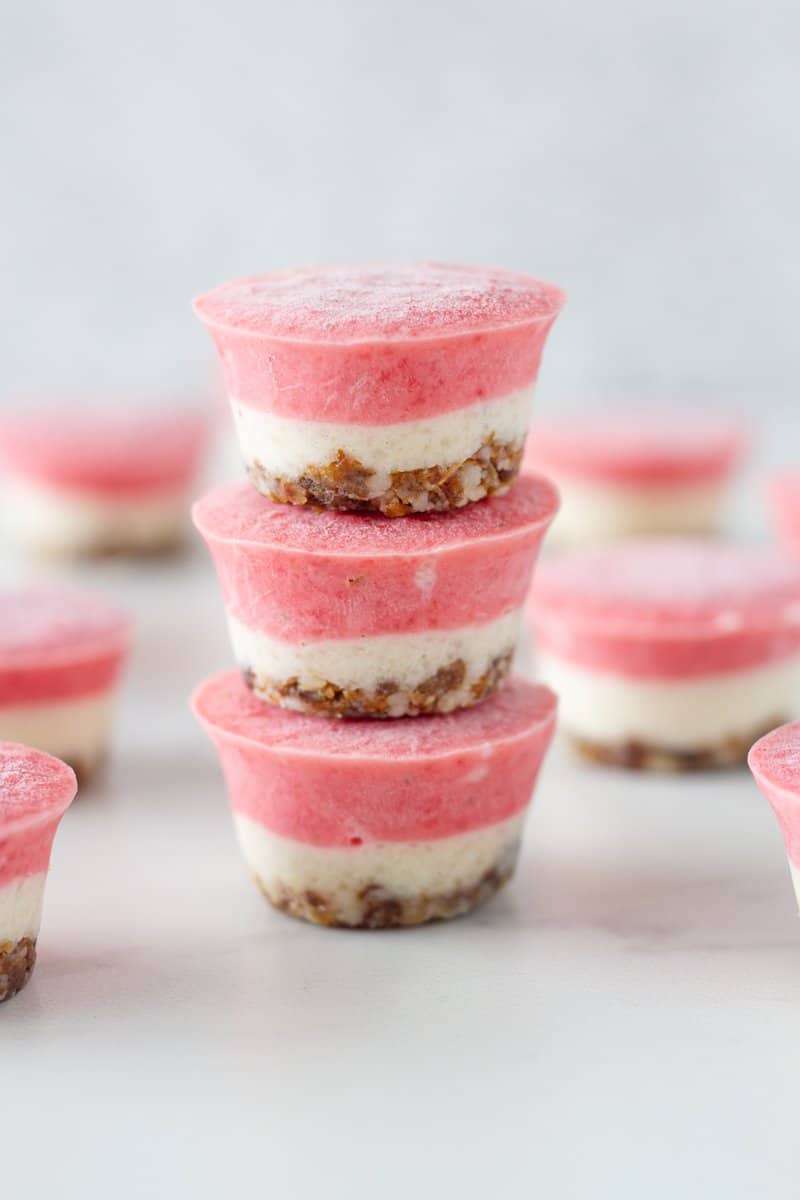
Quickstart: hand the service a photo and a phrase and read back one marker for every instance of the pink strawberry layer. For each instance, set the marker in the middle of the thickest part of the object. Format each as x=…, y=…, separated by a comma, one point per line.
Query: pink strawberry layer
x=668, y=608
x=95, y=451
x=299, y=574
x=343, y=783
x=775, y=763
x=638, y=449
x=35, y=791
x=375, y=345
x=57, y=643
x=784, y=502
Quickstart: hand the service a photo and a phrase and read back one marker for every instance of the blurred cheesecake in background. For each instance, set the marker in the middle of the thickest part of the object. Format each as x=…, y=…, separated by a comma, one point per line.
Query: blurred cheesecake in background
x=62, y=651
x=623, y=474
x=669, y=653
x=775, y=763
x=783, y=498
x=35, y=792
x=90, y=481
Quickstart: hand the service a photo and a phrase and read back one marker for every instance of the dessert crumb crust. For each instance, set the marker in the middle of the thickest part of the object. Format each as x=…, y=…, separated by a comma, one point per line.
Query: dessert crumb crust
x=347, y=485
x=378, y=908
x=17, y=960
x=447, y=689
x=644, y=756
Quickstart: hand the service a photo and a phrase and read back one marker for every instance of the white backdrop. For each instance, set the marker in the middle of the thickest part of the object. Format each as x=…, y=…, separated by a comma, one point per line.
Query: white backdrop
x=643, y=156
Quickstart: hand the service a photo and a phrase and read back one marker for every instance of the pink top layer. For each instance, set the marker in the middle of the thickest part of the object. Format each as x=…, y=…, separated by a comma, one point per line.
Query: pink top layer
x=58, y=642
x=300, y=574
x=775, y=763
x=669, y=607
x=105, y=452
x=341, y=783
x=784, y=502
x=378, y=344
x=35, y=791
x=637, y=449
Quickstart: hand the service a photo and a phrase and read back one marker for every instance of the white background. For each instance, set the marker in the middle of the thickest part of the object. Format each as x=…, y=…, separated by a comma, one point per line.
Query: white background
x=644, y=156
x=624, y=1020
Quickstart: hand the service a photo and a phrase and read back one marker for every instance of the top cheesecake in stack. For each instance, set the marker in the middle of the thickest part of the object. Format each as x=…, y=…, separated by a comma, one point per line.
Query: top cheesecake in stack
x=392, y=389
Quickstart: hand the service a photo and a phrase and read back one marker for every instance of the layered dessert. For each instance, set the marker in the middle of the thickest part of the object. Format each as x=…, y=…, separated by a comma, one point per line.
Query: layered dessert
x=61, y=656
x=671, y=654
x=35, y=792
x=775, y=763
x=400, y=389
x=373, y=824
x=344, y=615
x=784, y=504
x=627, y=474
x=87, y=481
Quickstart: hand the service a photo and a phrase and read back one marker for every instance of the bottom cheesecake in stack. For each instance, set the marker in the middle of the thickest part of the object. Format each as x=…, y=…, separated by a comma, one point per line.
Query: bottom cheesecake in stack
x=374, y=824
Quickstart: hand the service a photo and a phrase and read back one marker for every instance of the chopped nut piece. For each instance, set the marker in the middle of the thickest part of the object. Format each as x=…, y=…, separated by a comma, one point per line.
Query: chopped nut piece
x=17, y=960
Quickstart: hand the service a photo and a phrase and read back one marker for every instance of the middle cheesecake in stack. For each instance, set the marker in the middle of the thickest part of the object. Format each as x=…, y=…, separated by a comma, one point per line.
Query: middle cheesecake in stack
x=362, y=395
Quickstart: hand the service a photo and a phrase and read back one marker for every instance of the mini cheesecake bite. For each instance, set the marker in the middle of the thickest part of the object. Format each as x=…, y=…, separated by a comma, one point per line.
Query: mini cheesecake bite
x=669, y=654
x=372, y=824
x=775, y=763
x=61, y=656
x=399, y=389
x=346, y=615
x=629, y=474
x=92, y=482
x=35, y=792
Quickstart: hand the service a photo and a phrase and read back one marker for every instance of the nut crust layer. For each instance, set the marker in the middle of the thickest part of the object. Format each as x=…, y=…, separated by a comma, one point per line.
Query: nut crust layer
x=643, y=756
x=445, y=690
x=347, y=485
x=381, y=909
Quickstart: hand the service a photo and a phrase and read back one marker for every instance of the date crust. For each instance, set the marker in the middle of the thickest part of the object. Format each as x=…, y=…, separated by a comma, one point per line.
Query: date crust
x=642, y=756
x=381, y=909
x=347, y=485
x=446, y=690
x=17, y=960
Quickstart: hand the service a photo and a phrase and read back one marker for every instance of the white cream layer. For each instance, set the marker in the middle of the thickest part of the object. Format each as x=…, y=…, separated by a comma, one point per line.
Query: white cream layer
x=404, y=869
x=21, y=907
x=286, y=446
x=671, y=713
x=405, y=658
x=592, y=512
x=55, y=520
x=76, y=730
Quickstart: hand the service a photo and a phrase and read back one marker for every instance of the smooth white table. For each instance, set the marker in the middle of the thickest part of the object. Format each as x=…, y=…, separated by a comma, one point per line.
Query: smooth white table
x=623, y=1021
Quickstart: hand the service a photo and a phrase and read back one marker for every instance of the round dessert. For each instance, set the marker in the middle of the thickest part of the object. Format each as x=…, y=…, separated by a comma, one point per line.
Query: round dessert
x=91, y=482
x=670, y=653
x=397, y=388
x=784, y=503
x=346, y=615
x=775, y=763
x=61, y=656
x=35, y=792
x=624, y=474
x=374, y=824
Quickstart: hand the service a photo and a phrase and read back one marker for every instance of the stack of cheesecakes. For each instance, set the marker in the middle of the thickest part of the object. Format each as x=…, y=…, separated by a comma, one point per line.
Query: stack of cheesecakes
x=379, y=757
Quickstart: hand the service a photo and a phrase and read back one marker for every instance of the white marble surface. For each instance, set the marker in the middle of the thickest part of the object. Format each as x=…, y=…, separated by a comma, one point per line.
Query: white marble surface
x=622, y=1022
